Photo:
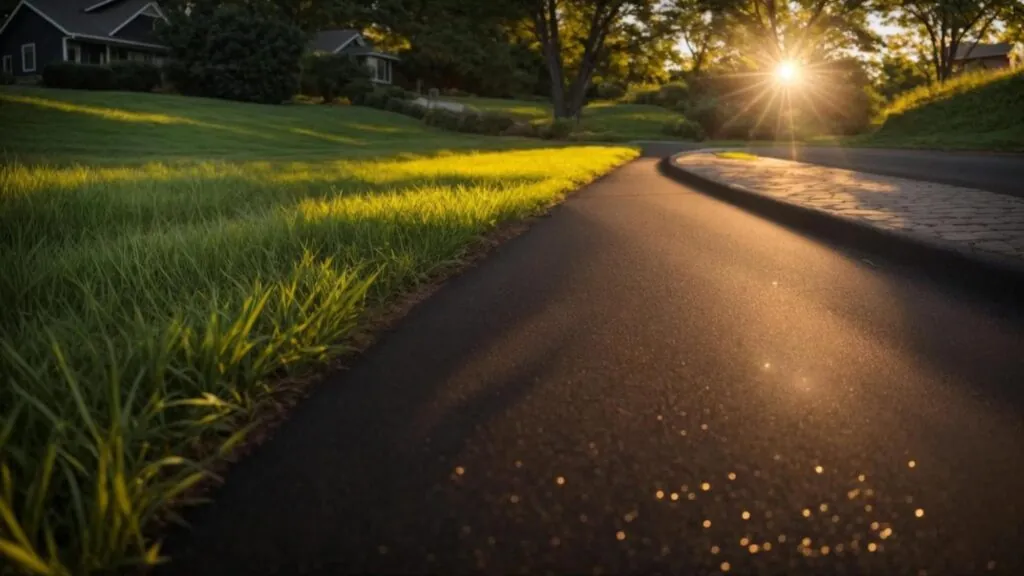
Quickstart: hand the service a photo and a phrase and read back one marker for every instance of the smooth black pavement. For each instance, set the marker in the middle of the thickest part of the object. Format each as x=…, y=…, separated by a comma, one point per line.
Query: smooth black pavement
x=650, y=380
x=1002, y=173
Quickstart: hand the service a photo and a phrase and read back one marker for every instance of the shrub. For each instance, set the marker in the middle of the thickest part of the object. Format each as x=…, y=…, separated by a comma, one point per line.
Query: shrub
x=411, y=95
x=444, y=119
x=557, y=129
x=683, y=128
x=396, y=92
x=707, y=113
x=456, y=93
x=78, y=76
x=673, y=94
x=394, y=105
x=6, y=79
x=520, y=129
x=471, y=122
x=234, y=52
x=644, y=96
x=375, y=100
x=136, y=76
x=610, y=91
x=326, y=75
x=357, y=90
x=413, y=109
x=495, y=123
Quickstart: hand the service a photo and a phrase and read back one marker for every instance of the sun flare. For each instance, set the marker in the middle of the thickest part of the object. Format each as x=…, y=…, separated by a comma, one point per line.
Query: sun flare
x=787, y=72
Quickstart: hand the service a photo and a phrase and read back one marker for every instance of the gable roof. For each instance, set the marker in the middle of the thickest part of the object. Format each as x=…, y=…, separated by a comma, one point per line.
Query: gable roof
x=333, y=40
x=98, y=19
x=982, y=50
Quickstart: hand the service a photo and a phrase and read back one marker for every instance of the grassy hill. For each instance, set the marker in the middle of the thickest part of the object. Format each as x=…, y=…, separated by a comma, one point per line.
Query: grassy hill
x=605, y=120
x=169, y=262
x=971, y=112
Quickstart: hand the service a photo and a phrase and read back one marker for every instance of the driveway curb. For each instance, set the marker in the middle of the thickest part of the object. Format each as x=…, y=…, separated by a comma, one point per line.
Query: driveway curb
x=936, y=256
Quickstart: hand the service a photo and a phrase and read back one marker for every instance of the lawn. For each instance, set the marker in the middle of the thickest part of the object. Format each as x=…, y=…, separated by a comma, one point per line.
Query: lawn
x=170, y=263
x=601, y=121
x=981, y=111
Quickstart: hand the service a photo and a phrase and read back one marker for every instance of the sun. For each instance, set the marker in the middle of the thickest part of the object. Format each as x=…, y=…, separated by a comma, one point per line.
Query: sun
x=787, y=72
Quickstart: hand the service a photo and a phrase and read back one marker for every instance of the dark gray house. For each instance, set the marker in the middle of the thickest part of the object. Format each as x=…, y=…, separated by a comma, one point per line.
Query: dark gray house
x=87, y=31
x=353, y=43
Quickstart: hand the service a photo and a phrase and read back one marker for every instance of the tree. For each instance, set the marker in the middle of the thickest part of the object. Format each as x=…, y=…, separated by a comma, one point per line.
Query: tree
x=771, y=31
x=899, y=71
x=233, y=51
x=700, y=30
x=567, y=28
x=947, y=25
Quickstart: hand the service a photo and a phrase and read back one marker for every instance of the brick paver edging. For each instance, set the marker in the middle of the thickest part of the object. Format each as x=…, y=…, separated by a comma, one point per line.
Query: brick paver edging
x=1004, y=274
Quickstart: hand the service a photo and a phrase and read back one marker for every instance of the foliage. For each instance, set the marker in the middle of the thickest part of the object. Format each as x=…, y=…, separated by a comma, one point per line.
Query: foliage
x=357, y=90
x=444, y=119
x=327, y=75
x=898, y=73
x=560, y=26
x=6, y=79
x=610, y=91
x=557, y=129
x=154, y=302
x=234, y=52
x=76, y=76
x=684, y=128
x=947, y=25
x=136, y=76
x=980, y=110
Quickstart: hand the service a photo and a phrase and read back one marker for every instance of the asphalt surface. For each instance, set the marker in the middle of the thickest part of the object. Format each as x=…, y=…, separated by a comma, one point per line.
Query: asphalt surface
x=1002, y=173
x=650, y=380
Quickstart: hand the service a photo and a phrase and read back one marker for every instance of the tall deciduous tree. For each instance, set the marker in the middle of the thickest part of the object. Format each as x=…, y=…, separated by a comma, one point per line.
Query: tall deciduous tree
x=564, y=26
x=948, y=25
x=699, y=29
x=807, y=30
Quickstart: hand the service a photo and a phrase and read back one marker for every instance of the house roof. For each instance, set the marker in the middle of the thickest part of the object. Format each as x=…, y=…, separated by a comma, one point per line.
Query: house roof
x=972, y=51
x=100, y=21
x=331, y=40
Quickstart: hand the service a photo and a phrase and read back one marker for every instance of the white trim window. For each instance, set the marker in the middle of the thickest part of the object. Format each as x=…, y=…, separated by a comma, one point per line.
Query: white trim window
x=8, y=64
x=28, y=64
x=74, y=53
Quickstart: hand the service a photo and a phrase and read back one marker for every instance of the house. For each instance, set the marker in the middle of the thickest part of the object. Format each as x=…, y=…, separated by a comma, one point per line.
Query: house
x=977, y=56
x=39, y=32
x=353, y=43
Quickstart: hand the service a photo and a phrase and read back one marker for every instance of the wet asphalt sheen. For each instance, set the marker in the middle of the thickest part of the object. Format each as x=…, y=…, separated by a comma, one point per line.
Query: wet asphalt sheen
x=651, y=380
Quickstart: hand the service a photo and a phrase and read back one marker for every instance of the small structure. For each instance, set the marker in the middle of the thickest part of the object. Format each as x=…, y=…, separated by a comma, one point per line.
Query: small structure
x=39, y=32
x=978, y=56
x=353, y=43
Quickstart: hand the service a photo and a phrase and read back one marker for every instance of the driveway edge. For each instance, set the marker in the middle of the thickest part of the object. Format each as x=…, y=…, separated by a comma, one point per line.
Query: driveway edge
x=936, y=256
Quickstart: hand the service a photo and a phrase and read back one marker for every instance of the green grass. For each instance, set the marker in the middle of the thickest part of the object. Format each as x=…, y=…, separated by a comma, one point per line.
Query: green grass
x=970, y=112
x=170, y=263
x=601, y=121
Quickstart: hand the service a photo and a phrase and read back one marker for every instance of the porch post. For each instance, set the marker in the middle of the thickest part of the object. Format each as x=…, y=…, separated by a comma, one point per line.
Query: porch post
x=64, y=47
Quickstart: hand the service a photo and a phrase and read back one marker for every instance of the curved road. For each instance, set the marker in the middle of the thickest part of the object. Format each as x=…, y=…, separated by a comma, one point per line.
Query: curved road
x=651, y=380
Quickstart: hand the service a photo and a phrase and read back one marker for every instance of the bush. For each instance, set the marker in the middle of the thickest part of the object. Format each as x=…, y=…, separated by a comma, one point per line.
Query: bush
x=413, y=109
x=471, y=122
x=644, y=96
x=6, y=79
x=443, y=119
x=78, y=76
x=683, y=128
x=357, y=90
x=557, y=129
x=375, y=100
x=136, y=76
x=234, y=52
x=456, y=93
x=673, y=94
x=610, y=91
x=394, y=105
x=327, y=75
x=707, y=113
x=520, y=129
x=396, y=92
x=495, y=123
x=411, y=95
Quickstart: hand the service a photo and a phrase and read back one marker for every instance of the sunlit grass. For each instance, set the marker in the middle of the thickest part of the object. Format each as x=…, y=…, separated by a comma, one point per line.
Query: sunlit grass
x=153, y=303
x=983, y=111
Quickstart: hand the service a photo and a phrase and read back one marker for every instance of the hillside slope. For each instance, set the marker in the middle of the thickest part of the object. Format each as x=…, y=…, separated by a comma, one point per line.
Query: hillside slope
x=971, y=112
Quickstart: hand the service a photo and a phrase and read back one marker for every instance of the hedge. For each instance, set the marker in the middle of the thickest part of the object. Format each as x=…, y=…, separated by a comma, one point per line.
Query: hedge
x=136, y=76
x=76, y=76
